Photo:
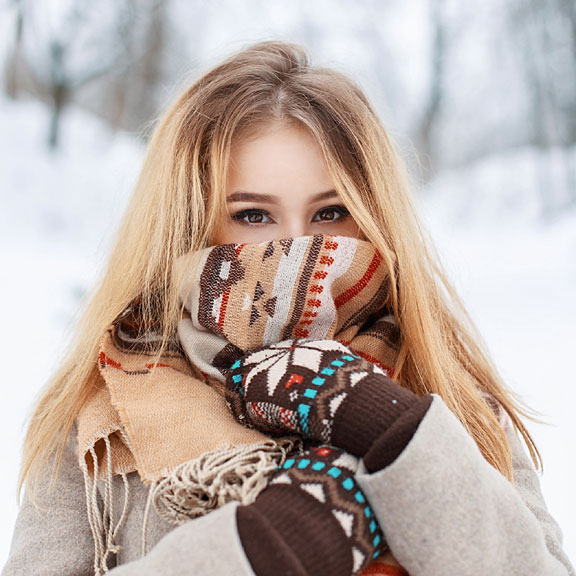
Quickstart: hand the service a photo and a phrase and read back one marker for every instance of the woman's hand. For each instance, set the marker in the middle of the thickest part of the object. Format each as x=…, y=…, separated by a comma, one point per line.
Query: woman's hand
x=319, y=389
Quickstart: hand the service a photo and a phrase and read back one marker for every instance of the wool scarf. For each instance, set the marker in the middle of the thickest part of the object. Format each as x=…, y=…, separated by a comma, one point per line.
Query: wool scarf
x=167, y=418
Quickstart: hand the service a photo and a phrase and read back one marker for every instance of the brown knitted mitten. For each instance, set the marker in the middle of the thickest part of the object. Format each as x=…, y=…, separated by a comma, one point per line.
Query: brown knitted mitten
x=312, y=519
x=323, y=391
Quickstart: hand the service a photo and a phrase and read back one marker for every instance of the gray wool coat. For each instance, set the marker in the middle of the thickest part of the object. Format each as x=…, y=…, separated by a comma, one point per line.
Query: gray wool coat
x=442, y=507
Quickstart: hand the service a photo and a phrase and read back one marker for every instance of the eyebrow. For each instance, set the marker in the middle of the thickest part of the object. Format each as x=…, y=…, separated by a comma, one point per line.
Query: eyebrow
x=271, y=199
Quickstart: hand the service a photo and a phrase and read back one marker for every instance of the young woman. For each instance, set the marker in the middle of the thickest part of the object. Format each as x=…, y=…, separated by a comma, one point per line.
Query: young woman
x=275, y=376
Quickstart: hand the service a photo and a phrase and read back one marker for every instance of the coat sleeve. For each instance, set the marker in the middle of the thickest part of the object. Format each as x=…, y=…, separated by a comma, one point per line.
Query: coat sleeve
x=209, y=545
x=444, y=510
x=53, y=537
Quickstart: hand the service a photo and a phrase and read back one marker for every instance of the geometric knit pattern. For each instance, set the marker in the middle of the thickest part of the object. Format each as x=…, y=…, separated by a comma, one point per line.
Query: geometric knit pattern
x=319, y=389
x=326, y=474
x=272, y=389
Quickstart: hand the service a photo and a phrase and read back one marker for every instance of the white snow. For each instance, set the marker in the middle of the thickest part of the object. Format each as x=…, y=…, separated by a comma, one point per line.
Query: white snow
x=517, y=275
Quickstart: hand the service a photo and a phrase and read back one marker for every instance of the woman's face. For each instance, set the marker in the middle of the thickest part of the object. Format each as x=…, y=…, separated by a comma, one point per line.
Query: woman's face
x=278, y=187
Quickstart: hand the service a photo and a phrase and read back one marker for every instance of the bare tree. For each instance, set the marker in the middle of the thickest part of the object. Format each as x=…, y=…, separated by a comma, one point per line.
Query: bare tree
x=436, y=90
x=131, y=96
x=545, y=35
x=11, y=75
x=567, y=12
x=84, y=43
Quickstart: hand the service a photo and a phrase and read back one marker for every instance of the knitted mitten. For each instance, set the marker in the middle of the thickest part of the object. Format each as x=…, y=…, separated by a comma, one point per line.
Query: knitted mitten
x=311, y=519
x=323, y=391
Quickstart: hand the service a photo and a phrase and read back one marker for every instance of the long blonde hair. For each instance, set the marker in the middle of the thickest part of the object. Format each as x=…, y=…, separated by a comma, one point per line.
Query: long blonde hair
x=178, y=201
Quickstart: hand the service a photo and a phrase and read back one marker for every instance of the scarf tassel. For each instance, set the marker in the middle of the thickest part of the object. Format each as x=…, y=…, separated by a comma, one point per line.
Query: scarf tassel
x=101, y=509
x=237, y=473
x=192, y=489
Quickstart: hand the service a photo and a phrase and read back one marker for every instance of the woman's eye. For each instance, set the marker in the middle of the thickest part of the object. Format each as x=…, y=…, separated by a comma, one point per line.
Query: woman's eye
x=252, y=216
x=331, y=213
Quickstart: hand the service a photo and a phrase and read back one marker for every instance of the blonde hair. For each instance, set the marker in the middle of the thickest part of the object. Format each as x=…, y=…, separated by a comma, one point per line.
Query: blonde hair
x=178, y=201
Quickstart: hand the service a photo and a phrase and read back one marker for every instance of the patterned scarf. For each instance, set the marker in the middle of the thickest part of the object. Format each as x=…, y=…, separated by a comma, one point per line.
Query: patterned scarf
x=170, y=422
x=245, y=296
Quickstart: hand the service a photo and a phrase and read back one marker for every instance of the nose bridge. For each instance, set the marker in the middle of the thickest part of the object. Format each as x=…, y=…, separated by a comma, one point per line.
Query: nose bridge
x=294, y=224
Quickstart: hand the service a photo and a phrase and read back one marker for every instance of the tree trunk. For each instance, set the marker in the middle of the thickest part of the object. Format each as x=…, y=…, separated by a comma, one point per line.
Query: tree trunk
x=15, y=59
x=59, y=100
x=435, y=94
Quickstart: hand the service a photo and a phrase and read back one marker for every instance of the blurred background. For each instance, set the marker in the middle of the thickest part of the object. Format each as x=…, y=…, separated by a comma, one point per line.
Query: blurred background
x=479, y=96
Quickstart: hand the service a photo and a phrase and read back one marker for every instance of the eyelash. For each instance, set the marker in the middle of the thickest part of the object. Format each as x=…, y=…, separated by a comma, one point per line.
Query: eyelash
x=239, y=216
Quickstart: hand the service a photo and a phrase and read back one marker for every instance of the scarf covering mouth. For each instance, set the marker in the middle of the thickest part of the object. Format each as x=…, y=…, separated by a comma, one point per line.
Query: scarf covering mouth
x=167, y=419
x=239, y=297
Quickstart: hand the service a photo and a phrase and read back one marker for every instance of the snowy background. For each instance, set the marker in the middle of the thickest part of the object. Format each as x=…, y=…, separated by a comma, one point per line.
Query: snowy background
x=485, y=118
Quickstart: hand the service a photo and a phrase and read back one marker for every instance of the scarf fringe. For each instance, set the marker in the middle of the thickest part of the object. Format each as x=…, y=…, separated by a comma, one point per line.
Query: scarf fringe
x=193, y=489
x=219, y=476
x=101, y=510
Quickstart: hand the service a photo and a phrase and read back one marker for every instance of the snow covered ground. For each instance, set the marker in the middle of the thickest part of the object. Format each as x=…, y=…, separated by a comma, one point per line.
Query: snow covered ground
x=57, y=214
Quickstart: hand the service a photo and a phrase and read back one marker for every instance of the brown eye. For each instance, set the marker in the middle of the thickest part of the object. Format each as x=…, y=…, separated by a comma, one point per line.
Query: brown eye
x=330, y=214
x=252, y=216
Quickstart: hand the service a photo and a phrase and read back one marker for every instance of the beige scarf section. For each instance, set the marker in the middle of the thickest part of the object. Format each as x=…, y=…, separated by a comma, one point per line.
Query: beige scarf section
x=168, y=420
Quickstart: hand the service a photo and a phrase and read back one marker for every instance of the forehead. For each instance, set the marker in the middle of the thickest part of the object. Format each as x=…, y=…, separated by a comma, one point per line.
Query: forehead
x=279, y=160
x=277, y=131
x=277, y=145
